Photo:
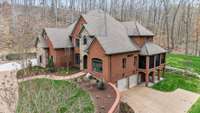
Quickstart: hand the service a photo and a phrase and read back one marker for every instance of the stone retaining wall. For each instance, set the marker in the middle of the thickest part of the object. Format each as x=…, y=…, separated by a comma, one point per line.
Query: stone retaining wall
x=181, y=71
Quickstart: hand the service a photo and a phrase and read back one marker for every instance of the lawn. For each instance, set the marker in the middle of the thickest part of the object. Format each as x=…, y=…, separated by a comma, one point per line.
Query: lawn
x=173, y=81
x=53, y=96
x=195, y=108
x=191, y=63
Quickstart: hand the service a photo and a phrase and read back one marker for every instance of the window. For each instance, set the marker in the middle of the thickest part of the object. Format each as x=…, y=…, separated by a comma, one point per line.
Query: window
x=157, y=60
x=124, y=62
x=77, y=43
x=77, y=58
x=142, y=62
x=97, y=65
x=151, y=62
x=40, y=59
x=84, y=40
x=135, y=61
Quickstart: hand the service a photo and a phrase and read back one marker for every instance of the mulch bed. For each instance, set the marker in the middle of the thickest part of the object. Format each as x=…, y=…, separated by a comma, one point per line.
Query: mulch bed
x=103, y=99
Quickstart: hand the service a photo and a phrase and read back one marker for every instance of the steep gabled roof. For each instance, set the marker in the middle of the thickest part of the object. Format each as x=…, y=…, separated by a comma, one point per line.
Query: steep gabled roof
x=150, y=48
x=60, y=36
x=112, y=37
x=135, y=29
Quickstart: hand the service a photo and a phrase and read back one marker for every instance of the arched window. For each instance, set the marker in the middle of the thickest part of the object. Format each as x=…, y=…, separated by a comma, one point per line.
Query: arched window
x=84, y=40
x=97, y=65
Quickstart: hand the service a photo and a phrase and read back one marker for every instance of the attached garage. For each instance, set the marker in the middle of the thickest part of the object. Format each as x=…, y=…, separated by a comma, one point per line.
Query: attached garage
x=133, y=80
x=122, y=84
x=125, y=83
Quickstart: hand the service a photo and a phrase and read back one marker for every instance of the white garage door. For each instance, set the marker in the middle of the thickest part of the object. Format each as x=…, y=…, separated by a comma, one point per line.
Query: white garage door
x=122, y=84
x=133, y=80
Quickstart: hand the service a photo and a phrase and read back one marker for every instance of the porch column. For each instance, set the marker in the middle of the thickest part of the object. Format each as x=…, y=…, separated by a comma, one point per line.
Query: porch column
x=147, y=71
x=159, y=74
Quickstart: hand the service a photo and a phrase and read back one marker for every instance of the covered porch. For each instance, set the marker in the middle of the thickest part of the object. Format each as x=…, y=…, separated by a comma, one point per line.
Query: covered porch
x=151, y=63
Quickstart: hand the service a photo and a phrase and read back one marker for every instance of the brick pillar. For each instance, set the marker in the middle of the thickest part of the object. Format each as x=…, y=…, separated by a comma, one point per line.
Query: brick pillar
x=158, y=74
x=147, y=71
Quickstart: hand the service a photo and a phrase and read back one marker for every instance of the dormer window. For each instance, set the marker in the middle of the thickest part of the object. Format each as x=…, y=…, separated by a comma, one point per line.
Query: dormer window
x=84, y=40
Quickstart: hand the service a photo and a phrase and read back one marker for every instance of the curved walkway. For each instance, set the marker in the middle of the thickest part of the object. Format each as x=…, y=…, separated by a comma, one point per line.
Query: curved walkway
x=53, y=77
x=147, y=100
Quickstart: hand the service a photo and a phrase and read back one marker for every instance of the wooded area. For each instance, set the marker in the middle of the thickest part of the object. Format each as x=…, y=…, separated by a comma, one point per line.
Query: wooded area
x=176, y=23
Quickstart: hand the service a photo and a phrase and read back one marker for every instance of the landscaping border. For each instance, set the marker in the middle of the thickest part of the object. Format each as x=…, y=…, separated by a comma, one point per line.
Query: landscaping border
x=53, y=77
x=116, y=105
x=182, y=71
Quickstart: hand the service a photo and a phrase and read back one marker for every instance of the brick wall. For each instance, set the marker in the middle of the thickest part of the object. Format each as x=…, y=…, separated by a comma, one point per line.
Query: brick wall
x=112, y=64
x=61, y=57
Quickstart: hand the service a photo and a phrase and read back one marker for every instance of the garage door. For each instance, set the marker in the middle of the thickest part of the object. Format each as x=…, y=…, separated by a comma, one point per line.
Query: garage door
x=133, y=80
x=122, y=84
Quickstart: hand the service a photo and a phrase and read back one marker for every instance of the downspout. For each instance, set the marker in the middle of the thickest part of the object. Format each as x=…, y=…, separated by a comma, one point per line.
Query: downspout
x=110, y=68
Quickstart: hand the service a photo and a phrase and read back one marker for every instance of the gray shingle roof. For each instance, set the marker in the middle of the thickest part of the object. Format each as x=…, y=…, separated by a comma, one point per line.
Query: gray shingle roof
x=115, y=40
x=41, y=43
x=135, y=29
x=60, y=36
x=150, y=48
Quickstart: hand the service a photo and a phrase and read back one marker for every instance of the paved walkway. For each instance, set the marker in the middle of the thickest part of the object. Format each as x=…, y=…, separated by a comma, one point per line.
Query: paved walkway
x=53, y=77
x=9, y=88
x=147, y=100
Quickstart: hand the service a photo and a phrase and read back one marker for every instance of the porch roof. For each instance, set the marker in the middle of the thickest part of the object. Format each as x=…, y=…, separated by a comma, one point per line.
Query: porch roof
x=150, y=48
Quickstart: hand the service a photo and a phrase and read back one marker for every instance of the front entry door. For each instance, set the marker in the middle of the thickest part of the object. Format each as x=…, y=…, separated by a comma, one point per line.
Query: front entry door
x=85, y=62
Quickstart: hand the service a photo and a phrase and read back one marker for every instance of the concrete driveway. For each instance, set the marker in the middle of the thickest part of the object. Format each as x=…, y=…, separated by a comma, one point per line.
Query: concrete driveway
x=147, y=100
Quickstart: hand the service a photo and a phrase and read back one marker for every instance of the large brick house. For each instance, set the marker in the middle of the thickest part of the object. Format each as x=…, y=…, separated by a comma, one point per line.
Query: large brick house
x=119, y=52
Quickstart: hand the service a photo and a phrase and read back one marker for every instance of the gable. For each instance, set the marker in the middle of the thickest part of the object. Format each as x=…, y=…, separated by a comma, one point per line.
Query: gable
x=96, y=47
x=78, y=27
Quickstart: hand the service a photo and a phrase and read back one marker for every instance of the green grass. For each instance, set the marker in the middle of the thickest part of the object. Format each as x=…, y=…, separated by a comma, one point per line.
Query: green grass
x=173, y=81
x=53, y=96
x=195, y=108
x=191, y=63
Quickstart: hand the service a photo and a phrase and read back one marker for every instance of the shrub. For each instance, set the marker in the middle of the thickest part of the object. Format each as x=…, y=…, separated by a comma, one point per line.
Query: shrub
x=101, y=84
x=50, y=65
x=18, y=56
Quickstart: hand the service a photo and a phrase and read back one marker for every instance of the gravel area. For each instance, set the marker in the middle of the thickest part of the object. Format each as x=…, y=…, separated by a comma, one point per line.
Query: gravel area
x=8, y=92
